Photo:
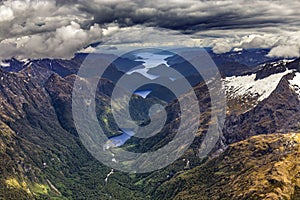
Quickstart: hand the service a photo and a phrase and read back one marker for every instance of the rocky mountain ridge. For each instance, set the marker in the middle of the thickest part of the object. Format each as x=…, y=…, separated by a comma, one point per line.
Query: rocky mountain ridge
x=42, y=157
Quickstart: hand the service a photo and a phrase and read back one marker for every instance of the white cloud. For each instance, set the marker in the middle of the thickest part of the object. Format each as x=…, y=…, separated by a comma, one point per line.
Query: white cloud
x=255, y=42
x=88, y=50
x=285, y=51
x=37, y=29
x=6, y=14
x=145, y=36
x=281, y=43
x=62, y=43
x=222, y=47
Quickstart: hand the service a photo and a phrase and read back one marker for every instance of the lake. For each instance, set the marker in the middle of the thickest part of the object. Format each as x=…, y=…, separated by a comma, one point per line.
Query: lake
x=151, y=60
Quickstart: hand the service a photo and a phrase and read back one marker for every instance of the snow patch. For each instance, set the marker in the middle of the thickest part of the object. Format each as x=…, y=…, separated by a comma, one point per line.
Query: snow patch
x=277, y=63
x=247, y=85
x=295, y=83
x=4, y=64
x=26, y=61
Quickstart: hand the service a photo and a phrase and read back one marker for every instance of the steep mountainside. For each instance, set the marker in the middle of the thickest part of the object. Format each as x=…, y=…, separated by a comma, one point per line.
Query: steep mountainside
x=40, y=158
x=277, y=108
x=43, y=158
x=262, y=167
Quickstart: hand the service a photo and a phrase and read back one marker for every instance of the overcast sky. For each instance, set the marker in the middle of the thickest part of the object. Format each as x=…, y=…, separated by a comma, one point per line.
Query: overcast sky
x=58, y=29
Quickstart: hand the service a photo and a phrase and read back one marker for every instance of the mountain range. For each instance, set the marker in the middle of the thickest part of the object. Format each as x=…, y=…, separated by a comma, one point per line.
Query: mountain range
x=257, y=157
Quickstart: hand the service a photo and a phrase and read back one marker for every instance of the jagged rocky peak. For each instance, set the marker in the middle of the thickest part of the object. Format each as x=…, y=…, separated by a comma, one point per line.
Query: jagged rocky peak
x=13, y=64
x=294, y=65
x=268, y=69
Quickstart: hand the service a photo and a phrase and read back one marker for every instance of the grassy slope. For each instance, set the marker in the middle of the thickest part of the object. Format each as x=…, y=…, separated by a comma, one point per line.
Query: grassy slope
x=262, y=167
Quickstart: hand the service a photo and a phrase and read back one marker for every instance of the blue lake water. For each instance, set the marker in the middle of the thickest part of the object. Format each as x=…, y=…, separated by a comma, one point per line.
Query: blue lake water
x=119, y=140
x=143, y=93
x=151, y=60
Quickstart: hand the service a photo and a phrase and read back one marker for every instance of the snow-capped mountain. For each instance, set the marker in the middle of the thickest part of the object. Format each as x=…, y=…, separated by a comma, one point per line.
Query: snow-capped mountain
x=263, y=106
x=247, y=90
x=247, y=85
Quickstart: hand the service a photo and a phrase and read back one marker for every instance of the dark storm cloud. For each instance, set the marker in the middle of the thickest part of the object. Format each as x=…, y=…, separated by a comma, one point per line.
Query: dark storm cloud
x=62, y=27
x=193, y=16
x=241, y=23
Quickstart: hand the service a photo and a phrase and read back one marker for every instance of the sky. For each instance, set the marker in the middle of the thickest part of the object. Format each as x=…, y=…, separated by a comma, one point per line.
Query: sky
x=60, y=28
